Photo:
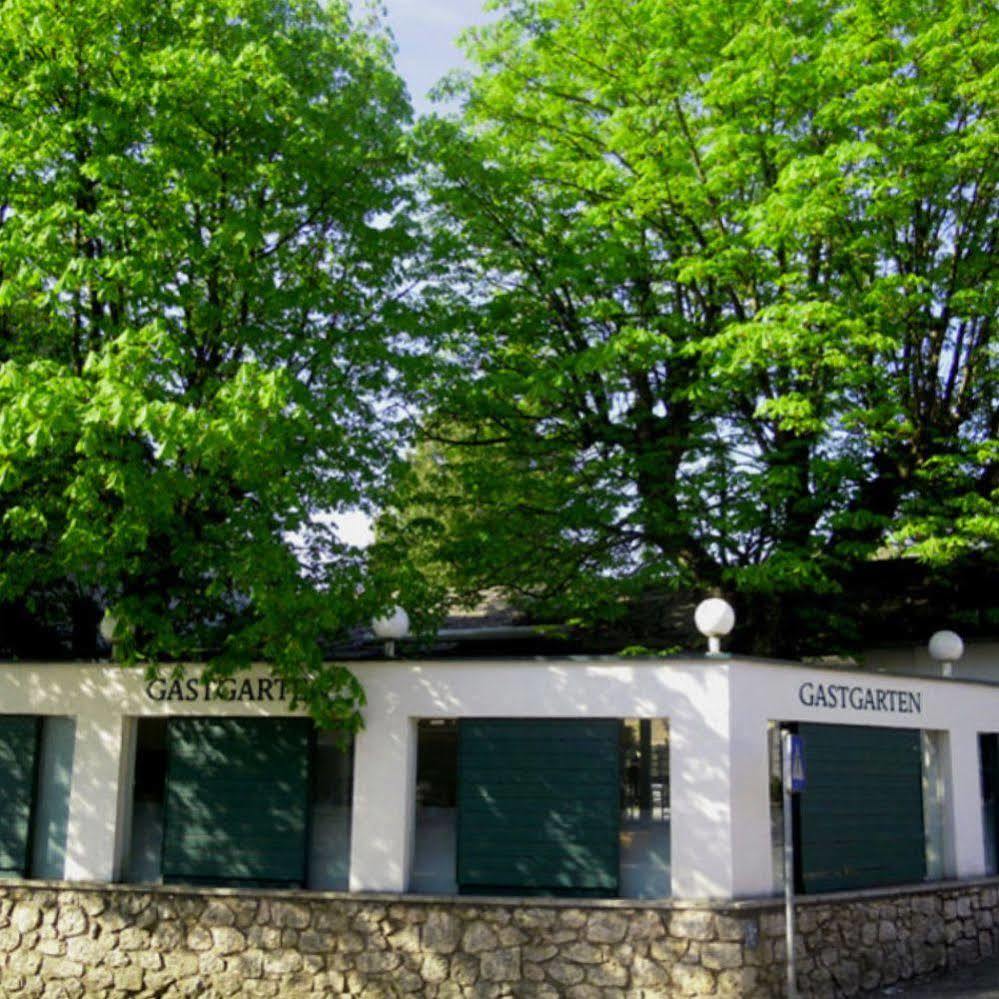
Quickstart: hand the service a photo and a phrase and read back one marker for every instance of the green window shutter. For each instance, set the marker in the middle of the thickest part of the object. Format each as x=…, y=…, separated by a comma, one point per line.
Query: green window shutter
x=861, y=813
x=237, y=800
x=18, y=768
x=538, y=806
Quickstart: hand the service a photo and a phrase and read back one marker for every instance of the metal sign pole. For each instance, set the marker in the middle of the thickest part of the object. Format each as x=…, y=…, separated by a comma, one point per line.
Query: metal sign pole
x=787, y=781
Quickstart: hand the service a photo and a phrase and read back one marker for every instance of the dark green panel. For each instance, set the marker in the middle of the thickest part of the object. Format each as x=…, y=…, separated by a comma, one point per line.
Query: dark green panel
x=989, y=748
x=237, y=799
x=538, y=806
x=18, y=768
x=861, y=813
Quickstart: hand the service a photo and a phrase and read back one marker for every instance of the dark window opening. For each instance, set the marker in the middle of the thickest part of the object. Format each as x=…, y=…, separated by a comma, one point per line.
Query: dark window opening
x=639, y=788
x=988, y=745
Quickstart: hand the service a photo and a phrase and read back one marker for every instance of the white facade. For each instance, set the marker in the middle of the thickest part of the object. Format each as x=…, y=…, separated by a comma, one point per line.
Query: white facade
x=718, y=710
x=980, y=662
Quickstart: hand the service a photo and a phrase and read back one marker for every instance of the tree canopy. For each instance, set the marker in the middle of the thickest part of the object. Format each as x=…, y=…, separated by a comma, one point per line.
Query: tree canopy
x=202, y=223
x=716, y=305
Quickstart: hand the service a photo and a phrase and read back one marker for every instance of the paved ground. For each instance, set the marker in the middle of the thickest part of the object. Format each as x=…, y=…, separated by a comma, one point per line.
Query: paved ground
x=978, y=981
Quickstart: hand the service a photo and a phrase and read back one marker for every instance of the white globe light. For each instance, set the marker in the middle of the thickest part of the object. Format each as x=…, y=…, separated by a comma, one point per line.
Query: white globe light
x=108, y=626
x=391, y=627
x=946, y=646
x=714, y=617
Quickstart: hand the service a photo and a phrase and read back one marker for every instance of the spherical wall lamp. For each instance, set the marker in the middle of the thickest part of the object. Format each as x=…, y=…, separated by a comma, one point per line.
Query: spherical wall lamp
x=391, y=628
x=108, y=629
x=946, y=647
x=714, y=619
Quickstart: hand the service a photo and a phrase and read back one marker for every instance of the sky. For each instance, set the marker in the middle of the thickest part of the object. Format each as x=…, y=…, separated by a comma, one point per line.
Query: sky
x=425, y=31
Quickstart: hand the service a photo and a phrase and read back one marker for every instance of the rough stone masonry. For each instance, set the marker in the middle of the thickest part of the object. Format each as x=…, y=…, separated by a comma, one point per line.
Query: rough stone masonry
x=114, y=941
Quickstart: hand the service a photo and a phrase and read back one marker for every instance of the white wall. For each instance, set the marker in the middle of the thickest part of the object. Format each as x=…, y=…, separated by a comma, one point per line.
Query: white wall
x=979, y=662
x=718, y=710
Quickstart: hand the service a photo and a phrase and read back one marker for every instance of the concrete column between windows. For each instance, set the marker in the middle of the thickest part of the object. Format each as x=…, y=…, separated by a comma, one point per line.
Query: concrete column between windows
x=99, y=797
x=381, y=839
x=964, y=829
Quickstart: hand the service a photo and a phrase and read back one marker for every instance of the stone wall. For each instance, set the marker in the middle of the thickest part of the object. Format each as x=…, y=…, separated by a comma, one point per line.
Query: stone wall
x=68, y=940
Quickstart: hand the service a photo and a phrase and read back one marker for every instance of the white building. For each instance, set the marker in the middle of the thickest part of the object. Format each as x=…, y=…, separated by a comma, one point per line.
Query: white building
x=582, y=776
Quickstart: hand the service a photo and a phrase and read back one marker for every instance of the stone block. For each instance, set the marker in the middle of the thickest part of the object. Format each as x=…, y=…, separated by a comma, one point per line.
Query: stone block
x=584, y=992
x=167, y=936
x=406, y=940
x=434, y=968
x=132, y=938
x=534, y=918
x=180, y=964
x=542, y=953
x=573, y=918
x=501, y=965
x=244, y=911
x=350, y=943
x=609, y=974
x=465, y=969
x=377, y=962
x=441, y=932
x=606, y=927
x=563, y=972
x=478, y=937
x=227, y=940
x=687, y=980
x=264, y=937
x=739, y=982
x=217, y=913
x=95, y=980
x=846, y=975
x=290, y=915
x=692, y=924
x=10, y=939
x=260, y=988
x=511, y=936
x=25, y=916
x=71, y=921
x=24, y=962
x=60, y=967
x=248, y=964
x=887, y=931
x=282, y=962
x=210, y=963
x=646, y=925
x=669, y=950
x=329, y=918
x=316, y=942
x=732, y=927
x=721, y=956
x=583, y=953
x=646, y=973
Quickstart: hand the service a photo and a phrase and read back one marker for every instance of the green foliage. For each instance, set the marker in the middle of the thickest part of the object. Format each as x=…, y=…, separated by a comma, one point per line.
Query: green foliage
x=202, y=219
x=717, y=301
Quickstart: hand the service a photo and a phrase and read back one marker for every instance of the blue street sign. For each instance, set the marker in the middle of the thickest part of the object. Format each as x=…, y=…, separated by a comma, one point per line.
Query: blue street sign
x=797, y=764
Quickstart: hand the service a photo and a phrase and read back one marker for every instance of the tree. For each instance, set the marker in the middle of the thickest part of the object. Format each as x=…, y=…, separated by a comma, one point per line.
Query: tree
x=202, y=224
x=719, y=307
